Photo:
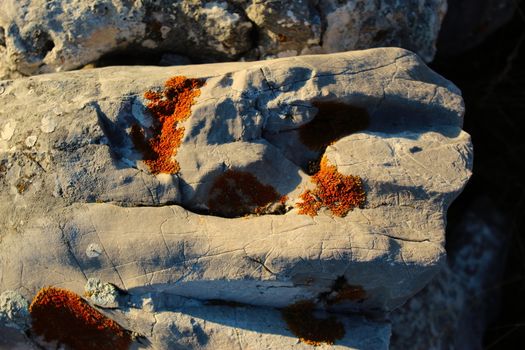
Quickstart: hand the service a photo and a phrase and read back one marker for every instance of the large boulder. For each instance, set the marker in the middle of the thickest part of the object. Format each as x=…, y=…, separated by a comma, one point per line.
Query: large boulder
x=38, y=36
x=321, y=178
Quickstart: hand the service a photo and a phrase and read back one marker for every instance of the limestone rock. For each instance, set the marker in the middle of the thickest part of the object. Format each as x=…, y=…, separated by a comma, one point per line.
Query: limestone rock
x=38, y=36
x=14, y=310
x=81, y=195
x=456, y=308
x=182, y=323
x=101, y=294
x=412, y=156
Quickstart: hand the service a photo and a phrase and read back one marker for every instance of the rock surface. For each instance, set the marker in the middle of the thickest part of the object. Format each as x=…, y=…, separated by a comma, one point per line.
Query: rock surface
x=167, y=321
x=455, y=309
x=79, y=198
x=38, y=36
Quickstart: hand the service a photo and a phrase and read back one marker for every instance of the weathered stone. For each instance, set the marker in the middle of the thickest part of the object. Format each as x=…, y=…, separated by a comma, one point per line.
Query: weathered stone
x=101, y=294
x=43, y=36
x=166, y=321
x=14, y=310
x=412, y=157
x=38, y=36
x=456, y=308
x=81, y=199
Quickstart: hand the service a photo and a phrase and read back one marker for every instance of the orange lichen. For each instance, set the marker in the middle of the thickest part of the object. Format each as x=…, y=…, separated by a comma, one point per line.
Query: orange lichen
x=343, y=291
x=348, y=292
x=309, y=329
x=335, y=191
x=237, y=193
x=63, y=316
x=168, y=108
x=333, y=121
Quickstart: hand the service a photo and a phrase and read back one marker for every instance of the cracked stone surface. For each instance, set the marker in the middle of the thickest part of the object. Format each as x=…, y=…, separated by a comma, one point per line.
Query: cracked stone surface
x=168, y=321
x=79, y=202
x=457, y=307
x=38, y=36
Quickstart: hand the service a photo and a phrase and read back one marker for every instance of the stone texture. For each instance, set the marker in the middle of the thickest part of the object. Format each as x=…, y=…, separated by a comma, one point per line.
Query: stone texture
x=78, y=201
x=14, y=310
x=194, y=325
x=456, y=308
x=101, y=294
x=39, y=36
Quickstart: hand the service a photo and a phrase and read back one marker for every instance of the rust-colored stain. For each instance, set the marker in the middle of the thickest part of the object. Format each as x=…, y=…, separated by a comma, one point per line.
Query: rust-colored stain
x=349, y=292
x=333, y=121
x=168, y=108
x=335, y=191
x=309, y=329
x=237, y=193
x=343, y=291
x=63, y=316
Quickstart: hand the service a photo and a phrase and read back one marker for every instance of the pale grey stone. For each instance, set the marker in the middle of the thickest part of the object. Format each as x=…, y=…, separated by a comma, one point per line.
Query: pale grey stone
x=14, y=310
x=168, y=322
x=81, y=203
x=456, y=308
x=38, y=36
x=101, y=294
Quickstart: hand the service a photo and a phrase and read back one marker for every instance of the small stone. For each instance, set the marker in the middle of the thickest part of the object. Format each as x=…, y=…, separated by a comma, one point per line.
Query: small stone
x=101, y=294
x=30, y=141
x=93, y=250
x=48, y=124
x=8, y=130
x=14, y=310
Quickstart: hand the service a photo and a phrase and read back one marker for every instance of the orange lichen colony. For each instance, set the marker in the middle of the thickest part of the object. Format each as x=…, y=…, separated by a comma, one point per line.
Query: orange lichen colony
x=63, y=316
x=302, y=322
x=237, y=193
x=335, y=191
x=168, y=108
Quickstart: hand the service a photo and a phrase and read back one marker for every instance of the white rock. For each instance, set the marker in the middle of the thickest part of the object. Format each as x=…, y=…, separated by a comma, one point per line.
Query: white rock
x=91, y=192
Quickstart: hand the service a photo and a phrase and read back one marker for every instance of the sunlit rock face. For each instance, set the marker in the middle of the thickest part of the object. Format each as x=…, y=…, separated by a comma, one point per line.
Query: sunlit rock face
x=38, y=36
x=323, y=178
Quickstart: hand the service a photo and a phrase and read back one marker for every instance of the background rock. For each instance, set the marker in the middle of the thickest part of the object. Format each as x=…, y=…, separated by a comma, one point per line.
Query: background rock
x=39, y=36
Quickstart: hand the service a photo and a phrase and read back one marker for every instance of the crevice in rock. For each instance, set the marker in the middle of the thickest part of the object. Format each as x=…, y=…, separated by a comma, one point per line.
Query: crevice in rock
x=342, y=291
x=2, y=36
x=258, y=261
x=322, y=18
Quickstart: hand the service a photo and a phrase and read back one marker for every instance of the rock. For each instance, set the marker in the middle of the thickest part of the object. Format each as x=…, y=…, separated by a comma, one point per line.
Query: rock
x=14, y=310
x=469, y=22
x=101, y=294
x=38, y=36
x=204, y=200
x=289, y=28
x=57, y=36
x=182, y=323
x=456, y=308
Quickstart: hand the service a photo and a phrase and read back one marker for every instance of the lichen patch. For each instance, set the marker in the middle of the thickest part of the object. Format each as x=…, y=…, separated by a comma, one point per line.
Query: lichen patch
x=237, y=193
x=168, y=108
x=63, y=316
x=333, y=121
x=335, y=191
x=308, y=328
